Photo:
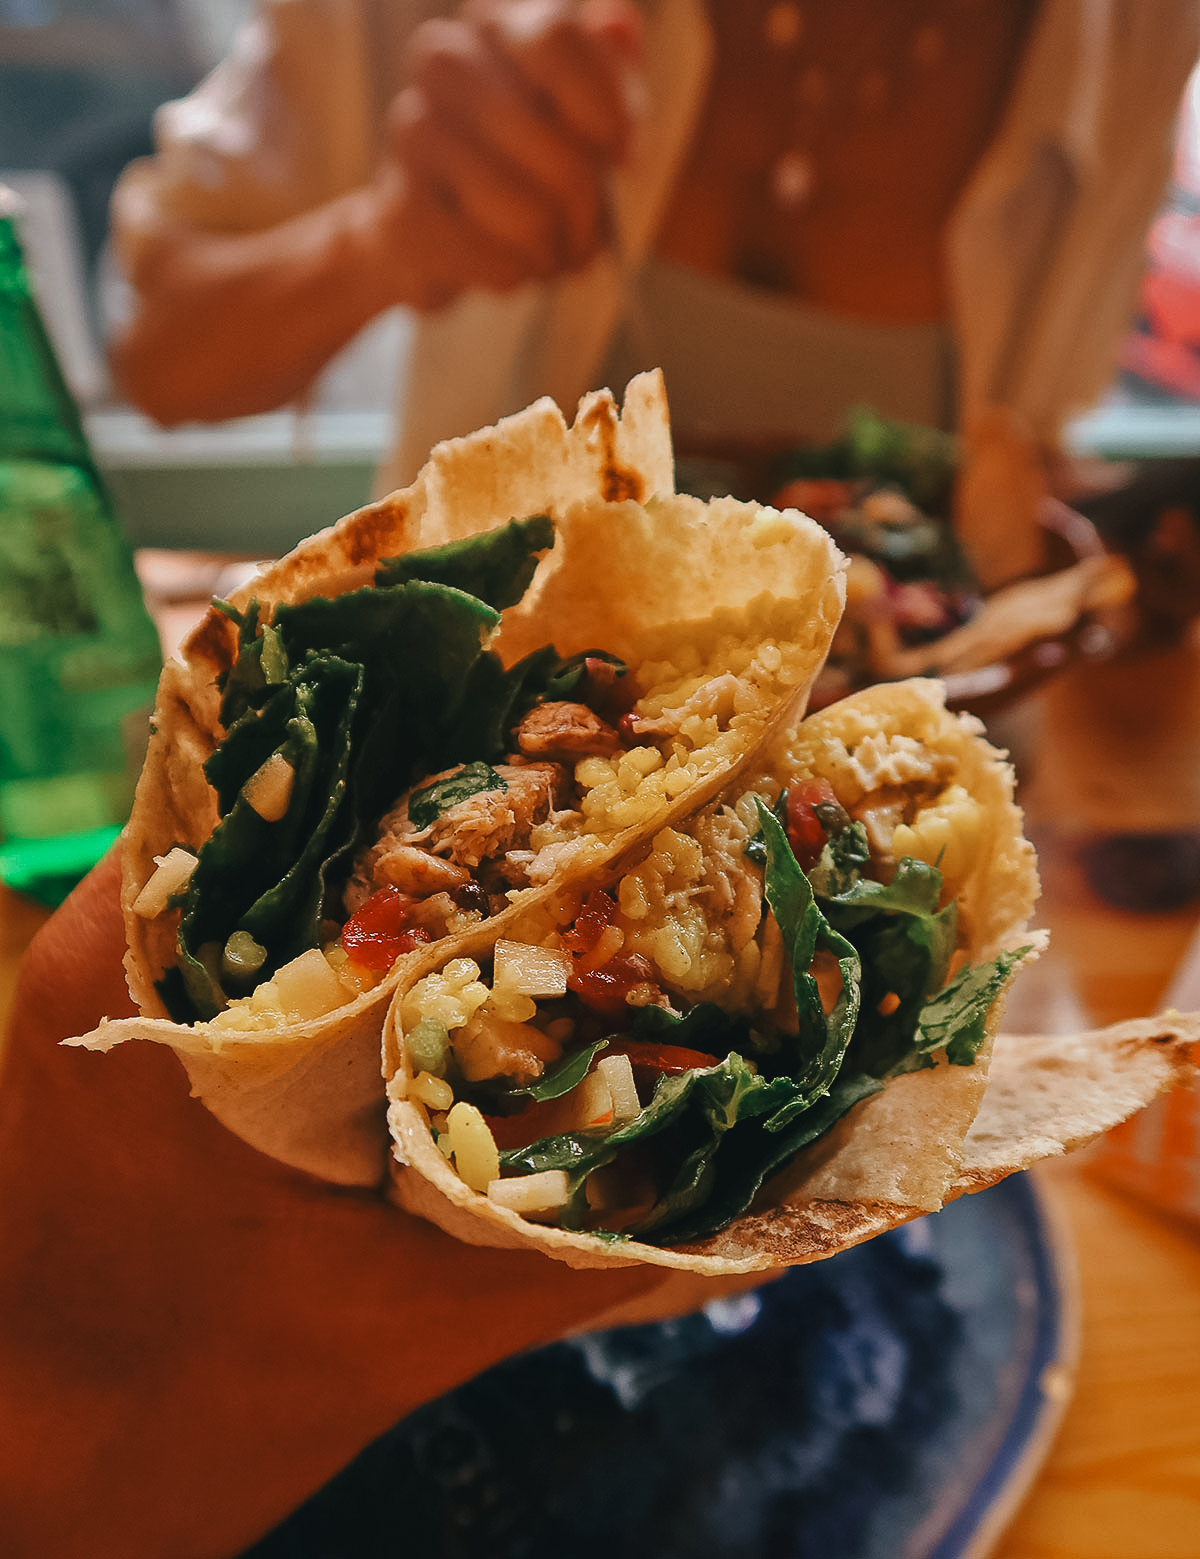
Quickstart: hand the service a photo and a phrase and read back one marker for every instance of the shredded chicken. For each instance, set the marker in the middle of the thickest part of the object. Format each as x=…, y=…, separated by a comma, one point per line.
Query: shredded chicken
x=482, y=828
x=416, y=871
x=716, y=698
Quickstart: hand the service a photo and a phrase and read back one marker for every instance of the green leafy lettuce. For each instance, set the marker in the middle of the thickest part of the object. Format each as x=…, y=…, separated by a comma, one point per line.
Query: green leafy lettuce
x=716, y=1134
x=364, y=694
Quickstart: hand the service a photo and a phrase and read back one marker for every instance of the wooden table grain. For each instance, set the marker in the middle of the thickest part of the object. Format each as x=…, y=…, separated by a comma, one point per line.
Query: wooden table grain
x=1122, y=1479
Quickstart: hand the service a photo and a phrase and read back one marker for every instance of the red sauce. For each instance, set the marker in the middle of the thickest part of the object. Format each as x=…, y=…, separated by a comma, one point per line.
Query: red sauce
x=380, y=933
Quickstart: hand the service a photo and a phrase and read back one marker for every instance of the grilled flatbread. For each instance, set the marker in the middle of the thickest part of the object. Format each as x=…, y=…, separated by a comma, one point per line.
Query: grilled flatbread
x=807, y=1041
x=442, y=711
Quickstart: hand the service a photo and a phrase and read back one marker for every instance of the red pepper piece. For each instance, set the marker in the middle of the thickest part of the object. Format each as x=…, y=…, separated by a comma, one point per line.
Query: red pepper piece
x=605, y=989
x=651, y=1059
x=379, y=933
x=804, y=829
x=602, y=986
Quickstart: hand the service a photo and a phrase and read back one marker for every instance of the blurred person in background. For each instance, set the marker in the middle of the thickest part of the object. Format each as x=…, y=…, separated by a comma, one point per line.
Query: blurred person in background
x=937, y=207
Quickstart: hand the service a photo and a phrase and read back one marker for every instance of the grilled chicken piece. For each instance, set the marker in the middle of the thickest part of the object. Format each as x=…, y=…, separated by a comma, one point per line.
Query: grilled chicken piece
x=564, y=730
x=414, y=870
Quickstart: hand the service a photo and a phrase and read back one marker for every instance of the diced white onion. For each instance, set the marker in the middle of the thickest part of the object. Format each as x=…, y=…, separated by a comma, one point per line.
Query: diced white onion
x=617, y=1072
x=172, y=876
x=308, y=987
x=269, y=788
x=529, y=1195
x=530, y=970
x=591, y=1103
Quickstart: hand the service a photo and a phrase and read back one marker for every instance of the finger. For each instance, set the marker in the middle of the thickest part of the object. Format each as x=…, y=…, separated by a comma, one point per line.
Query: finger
x=579, y=74
x=457, y=255
x=85, y=938
x=478, y=187
x=475, y=94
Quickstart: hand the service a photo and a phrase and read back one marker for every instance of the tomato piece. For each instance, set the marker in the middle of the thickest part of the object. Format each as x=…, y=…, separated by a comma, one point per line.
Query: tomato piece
x=606, y=989
x=823, y=498
x=593, y=920
x=805, y=831
x=379, y=932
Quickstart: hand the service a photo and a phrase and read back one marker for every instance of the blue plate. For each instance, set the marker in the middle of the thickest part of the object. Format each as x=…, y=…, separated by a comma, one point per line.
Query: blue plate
x=890, y=1403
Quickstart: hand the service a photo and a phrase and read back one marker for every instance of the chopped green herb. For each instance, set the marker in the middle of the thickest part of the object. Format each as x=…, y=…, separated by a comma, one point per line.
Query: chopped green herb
x=425, y=806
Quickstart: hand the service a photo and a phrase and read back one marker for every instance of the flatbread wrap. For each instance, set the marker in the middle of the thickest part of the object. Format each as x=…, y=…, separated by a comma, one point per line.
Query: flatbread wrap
x=427, y=720
x=781, y=1014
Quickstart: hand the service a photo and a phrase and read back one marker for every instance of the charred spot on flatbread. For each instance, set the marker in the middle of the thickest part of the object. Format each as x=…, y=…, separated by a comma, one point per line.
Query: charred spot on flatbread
x=213, y=642
x=377, y=530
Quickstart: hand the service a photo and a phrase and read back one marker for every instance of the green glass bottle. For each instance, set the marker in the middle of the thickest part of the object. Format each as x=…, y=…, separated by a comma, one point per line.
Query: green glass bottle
x=79, y=653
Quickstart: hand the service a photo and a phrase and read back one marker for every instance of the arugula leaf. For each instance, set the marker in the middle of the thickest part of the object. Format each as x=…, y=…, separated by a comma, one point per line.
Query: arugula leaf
x=823, y=1037
x=426, y=805
x=905, y=943
x=752, y=1153
x=716, y=1100
x=363, y=693
x=719, y=1093
x=571, y=1151
x=495, y=566
x=261, y=663
x=264, y=878
x=955, y=1018
x=568, y=1073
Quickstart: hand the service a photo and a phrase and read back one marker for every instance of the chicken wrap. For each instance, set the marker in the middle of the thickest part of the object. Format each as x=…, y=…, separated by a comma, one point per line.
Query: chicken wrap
x=763, y=1038
x=449, y=708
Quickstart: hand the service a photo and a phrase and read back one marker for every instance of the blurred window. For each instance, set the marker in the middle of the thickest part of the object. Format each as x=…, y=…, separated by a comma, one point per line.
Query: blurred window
x=1160, y=359
x=79, y=83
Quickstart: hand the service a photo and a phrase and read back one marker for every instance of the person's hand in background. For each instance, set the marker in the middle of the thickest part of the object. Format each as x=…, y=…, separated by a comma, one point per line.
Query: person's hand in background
x=193, y=1337
x=502, y=141
x=494, y=171
x=1001, y=485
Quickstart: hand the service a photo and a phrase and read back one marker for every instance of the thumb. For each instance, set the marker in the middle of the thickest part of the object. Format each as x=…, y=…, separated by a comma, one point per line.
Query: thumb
x=617, y=23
